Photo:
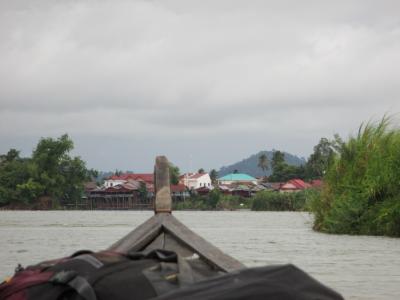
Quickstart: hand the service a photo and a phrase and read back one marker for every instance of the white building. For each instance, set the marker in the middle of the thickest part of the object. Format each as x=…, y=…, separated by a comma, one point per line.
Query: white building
x=196, y=180
x=113, y=182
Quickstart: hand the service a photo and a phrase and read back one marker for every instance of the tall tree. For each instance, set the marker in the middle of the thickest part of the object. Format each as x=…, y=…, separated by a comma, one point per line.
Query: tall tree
x=263, y=163
x=282, y=171
x=173, y=174
x=50, y=172
x=14, y=171
x=319, y=160
x=60, y=175
x=278, y=159
x=201, y=171
x=213, y=176
x=11, y=155
x=143, y=191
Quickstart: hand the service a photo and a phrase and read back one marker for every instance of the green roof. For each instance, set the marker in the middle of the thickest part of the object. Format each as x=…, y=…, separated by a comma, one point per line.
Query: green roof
x=237, y=177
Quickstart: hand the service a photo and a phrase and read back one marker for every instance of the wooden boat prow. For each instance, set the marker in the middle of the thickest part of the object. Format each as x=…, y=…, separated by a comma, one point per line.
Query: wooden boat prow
x=164, y=231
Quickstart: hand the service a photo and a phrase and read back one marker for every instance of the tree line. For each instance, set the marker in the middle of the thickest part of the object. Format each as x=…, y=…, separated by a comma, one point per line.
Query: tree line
x=314, y=168
x=49, y=175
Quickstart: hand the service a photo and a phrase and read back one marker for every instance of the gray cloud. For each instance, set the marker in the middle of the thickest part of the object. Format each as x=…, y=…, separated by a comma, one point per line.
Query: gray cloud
x=268, y=74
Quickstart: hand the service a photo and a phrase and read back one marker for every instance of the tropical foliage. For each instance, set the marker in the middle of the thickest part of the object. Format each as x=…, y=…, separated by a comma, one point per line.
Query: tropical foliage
x=314, y=168
x=50, y=173
x=263, y=162
x=174, y=174
x=361, y=193
x=215, y=200
x=282, y=171
x=213, y=176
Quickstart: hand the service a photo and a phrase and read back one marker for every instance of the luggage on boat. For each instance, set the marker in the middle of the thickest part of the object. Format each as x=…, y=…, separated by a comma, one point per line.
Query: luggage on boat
x=159, y=274
x=105, y=275
x=89, y=276
x=286, y=282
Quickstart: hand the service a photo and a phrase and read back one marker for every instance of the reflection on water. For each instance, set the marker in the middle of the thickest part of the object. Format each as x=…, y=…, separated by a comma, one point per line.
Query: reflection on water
x=359, y=267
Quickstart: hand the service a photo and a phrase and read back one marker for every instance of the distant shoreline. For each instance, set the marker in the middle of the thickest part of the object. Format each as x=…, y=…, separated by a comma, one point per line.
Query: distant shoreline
x=61, y=209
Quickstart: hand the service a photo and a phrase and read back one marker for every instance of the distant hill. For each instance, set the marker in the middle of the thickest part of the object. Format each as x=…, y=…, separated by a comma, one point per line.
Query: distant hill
x=249, y=165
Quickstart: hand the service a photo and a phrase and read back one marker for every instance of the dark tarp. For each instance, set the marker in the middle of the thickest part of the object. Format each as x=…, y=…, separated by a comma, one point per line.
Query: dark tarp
x=273, y=282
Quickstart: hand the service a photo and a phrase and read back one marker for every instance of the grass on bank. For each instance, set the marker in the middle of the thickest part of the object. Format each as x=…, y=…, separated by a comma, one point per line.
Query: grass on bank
x=215, y=200
x=361, y=193
x=262, y=201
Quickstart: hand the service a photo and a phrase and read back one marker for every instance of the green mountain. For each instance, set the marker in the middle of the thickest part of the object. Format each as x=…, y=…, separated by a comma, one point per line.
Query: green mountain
x=249, y=165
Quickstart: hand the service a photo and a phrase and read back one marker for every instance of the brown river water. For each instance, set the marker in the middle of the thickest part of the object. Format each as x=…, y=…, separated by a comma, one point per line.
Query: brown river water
x=359, y=267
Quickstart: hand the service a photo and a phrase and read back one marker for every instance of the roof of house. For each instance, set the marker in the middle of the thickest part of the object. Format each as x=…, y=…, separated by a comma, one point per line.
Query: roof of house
x=204, y=189
x=147, y=177
x=295, y=184
x=299, y=183
x=224, y=188
x=241, y=187
x=89, y=186
x=289, y=186
x=198, y=175
x=178, y=188
x=192, y=175
x=237, y=177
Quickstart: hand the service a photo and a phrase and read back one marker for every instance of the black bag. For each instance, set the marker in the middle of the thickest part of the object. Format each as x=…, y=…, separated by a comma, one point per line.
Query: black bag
x=273, y=283
x=90, y=276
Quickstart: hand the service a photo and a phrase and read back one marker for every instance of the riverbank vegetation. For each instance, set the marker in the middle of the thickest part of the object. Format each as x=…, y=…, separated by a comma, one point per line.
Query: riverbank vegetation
x=361, y=193
x=262, y=201
x=275, y=201
x=214, y=200
x=44, y=180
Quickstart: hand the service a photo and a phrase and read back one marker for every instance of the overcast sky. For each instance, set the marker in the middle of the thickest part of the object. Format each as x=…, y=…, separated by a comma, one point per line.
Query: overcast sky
x=206, y=83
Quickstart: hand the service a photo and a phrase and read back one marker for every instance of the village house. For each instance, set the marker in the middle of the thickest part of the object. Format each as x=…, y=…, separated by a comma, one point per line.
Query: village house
x=194, y=181
x=237, y=178
x=120, y=179
x=294, y=185
x=126, y=195
x=125, y=191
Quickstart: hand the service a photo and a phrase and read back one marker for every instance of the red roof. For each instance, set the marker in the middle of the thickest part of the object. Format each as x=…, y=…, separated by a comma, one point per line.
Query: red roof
x=144, y=177
x=197, y=175
x=295, y=184
x=288, y=187
x=178, y=188
x=120, y=188
x=299, y=184
x=192, y=175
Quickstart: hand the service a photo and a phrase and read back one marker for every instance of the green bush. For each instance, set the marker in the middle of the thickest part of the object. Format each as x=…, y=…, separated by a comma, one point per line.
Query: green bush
x=229, y=202
x=215, y=200
x=275, y=201
x=361, y=193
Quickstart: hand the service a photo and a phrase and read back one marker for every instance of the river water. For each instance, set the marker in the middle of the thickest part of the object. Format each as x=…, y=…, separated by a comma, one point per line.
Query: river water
x=359, y=267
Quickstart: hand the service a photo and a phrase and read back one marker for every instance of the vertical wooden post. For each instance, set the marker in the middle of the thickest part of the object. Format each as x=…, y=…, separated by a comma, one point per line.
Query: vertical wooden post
x=163, y=201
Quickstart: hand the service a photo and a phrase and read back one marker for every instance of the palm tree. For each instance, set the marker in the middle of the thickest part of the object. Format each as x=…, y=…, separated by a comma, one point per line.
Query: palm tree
x=263, y=163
